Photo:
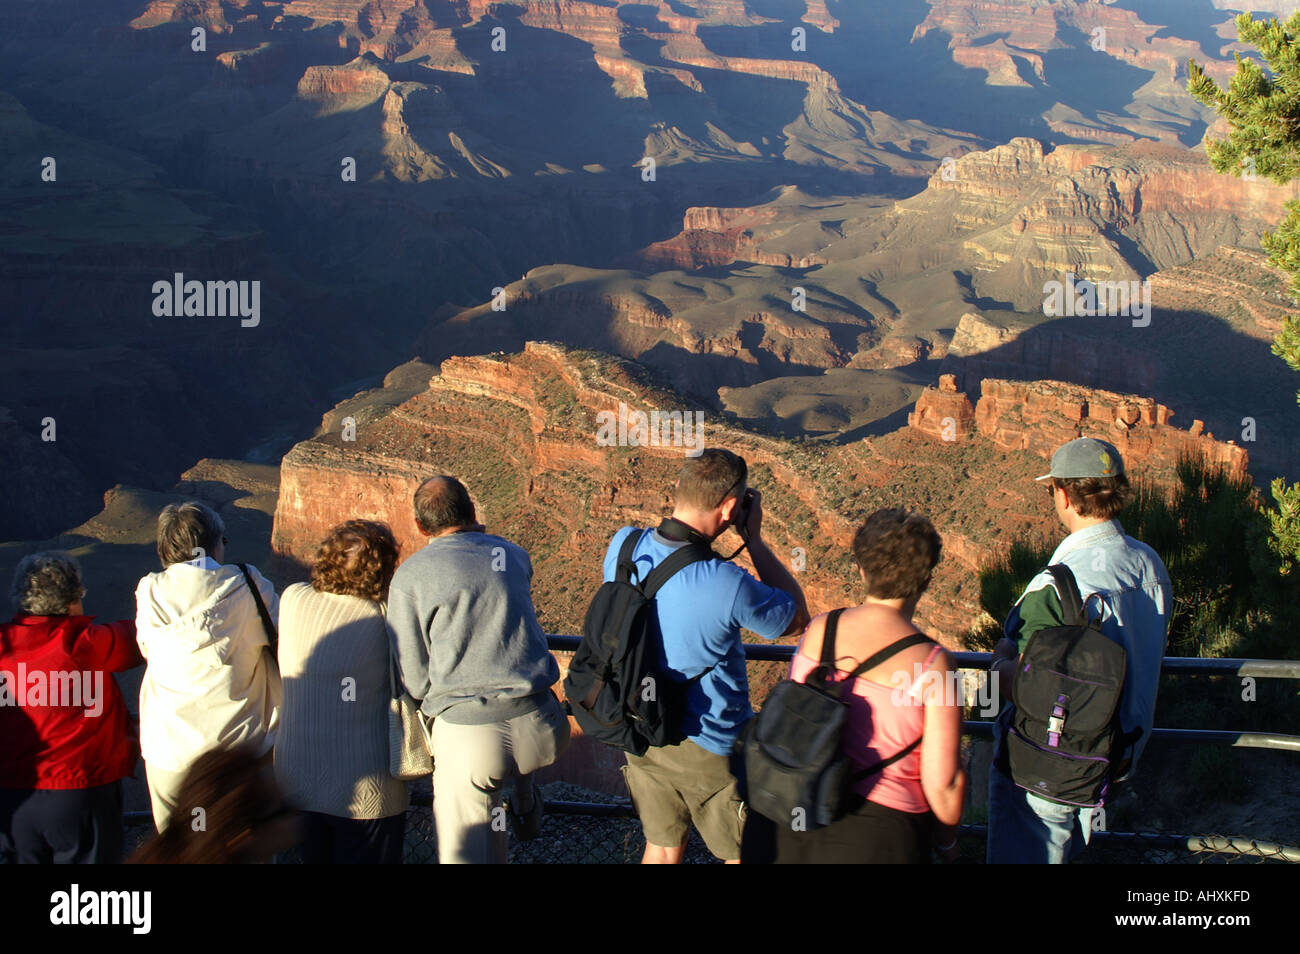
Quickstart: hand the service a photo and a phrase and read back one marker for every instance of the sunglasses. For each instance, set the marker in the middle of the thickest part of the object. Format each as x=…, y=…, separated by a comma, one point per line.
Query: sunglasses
x=734, y=487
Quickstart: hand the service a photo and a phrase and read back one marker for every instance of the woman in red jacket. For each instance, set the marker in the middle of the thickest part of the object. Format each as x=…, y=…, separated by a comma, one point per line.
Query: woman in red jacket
x=64, y=744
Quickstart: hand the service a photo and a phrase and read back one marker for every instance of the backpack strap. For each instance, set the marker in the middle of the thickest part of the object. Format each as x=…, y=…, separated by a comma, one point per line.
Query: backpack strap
x=871, y=662
x=893, y=649
x=875, y=659
x=680, y=559
x=661, y=574
x=879, y=766
x=626, y=566
x=1071, y=600
x=828, y=637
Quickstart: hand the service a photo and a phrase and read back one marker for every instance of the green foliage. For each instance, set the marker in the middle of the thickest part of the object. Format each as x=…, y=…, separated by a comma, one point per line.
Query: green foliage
x=1002, y=582
x=1284, y=525
x=1262, y=107
x=1287, y=344
x=1205, y=532
x=1283, y=247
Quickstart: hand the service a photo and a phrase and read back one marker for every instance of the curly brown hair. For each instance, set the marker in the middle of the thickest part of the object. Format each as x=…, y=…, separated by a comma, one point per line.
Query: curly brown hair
x=358, y=558
x=896, y=550
x=1096, y=496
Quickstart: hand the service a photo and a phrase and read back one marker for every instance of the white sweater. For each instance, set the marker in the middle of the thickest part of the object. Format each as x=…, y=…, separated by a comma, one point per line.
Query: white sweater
x=331, y=755
x=211, y=679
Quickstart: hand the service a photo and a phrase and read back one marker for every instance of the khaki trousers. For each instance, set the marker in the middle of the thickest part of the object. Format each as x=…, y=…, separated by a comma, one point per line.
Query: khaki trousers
x=471, y=763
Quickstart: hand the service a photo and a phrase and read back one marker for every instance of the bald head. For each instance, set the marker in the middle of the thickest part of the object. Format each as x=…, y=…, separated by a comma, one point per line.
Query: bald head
x=442, y=503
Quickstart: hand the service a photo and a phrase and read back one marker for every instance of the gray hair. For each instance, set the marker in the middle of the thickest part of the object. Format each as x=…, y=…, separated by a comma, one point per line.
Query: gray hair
x=46, y=584
x=185, y=528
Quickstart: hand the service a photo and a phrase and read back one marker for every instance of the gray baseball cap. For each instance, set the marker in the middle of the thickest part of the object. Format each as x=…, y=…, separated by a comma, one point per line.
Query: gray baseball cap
x=1085, y=457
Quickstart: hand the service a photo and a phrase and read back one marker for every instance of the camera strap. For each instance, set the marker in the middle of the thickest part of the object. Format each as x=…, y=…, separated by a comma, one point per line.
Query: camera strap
x=674, y=529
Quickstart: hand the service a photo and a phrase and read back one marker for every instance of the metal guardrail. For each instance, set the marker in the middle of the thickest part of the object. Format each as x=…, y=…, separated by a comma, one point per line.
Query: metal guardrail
x=1173, y=665
x=1257, y=668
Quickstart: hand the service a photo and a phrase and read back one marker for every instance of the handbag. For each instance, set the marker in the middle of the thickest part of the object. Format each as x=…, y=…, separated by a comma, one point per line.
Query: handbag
x=409, y=756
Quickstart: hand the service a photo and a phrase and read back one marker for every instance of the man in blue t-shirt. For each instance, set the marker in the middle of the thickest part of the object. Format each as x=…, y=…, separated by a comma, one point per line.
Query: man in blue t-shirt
x=699, y=613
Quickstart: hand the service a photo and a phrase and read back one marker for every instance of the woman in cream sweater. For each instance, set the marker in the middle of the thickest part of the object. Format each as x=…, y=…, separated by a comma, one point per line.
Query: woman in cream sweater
x=331, y=756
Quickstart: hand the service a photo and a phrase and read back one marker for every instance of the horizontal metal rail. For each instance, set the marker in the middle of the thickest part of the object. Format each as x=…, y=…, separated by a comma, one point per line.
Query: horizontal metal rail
x=1240, y=740
x=1184, y=665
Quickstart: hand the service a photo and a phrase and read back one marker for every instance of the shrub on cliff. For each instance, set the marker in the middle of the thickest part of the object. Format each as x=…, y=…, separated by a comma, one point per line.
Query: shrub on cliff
x=1001, y=583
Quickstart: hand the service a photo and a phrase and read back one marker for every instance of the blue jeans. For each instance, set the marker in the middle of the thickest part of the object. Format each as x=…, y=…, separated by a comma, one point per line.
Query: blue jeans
x=1027, y=830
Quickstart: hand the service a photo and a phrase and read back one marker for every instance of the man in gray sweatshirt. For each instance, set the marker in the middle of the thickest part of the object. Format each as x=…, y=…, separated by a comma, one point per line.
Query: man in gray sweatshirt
x=470, y=650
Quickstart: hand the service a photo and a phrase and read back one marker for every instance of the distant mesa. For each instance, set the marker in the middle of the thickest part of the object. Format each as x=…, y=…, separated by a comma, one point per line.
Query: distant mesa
x=1040, y=416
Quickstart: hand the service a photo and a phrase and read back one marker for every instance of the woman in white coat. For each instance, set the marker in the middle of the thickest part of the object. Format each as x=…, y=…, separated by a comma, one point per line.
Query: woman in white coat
x=212, y=678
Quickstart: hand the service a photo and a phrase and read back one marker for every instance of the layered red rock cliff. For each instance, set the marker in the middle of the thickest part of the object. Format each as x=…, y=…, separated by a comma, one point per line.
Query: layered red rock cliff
x=1040, y=416
x=522, y=429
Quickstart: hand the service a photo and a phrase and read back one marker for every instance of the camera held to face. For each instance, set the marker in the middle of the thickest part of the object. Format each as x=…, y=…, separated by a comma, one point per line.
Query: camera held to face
x=740, y=515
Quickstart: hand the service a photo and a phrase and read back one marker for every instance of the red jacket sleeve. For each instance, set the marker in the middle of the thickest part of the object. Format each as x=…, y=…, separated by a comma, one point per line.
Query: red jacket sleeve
x=110, y=646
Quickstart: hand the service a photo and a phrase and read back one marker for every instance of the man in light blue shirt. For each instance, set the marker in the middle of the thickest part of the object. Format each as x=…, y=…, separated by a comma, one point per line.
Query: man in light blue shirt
x=1125, y=585
x=698, y=615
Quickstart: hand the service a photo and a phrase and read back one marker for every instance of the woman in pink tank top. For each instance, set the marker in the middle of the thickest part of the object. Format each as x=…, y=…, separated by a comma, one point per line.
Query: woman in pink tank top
x=902, y=724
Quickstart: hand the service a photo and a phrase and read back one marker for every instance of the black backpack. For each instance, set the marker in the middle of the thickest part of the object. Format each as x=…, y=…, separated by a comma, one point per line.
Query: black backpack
x=794, y=758
x=1064, y=738
x=615, y=687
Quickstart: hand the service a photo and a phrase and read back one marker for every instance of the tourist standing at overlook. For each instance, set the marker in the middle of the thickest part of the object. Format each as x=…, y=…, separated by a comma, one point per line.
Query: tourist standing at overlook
x=212, y=678
x=65, y=749
x=1124, y=587
x=471, y=652
x=904, y=719
x=698, y=614
x=331, y=753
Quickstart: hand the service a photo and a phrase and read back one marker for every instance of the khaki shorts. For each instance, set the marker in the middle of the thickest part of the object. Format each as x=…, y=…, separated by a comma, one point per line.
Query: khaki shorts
x=677, y=785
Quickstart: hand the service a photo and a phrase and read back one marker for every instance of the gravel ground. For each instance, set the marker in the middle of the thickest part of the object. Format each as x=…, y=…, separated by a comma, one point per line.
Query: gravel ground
x=588, y=839
x=565, y=839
